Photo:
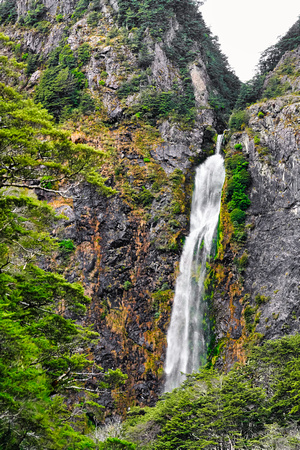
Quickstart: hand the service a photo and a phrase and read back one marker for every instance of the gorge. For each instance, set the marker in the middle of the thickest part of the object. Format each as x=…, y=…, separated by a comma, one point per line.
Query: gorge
x=139, y=92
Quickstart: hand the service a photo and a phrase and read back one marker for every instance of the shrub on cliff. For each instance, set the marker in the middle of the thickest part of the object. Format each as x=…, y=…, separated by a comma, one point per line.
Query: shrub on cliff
x=237, y=181
x=238, y=120
x=35, y=14
x=238, y=216
x=62, y=86
x=8, y=12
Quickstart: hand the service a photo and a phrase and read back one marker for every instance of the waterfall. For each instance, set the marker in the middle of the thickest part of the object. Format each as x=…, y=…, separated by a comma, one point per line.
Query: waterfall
x=187, y=343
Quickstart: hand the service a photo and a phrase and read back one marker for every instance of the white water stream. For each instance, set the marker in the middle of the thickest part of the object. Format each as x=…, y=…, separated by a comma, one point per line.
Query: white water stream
x=187, y=342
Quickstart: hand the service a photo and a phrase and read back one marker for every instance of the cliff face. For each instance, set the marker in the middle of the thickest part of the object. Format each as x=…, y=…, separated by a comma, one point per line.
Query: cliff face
x=274, y=264
x=128, y=245
x=260, y=272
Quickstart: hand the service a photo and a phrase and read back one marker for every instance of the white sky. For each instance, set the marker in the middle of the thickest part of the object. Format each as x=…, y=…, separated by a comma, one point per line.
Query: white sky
x=246, y=28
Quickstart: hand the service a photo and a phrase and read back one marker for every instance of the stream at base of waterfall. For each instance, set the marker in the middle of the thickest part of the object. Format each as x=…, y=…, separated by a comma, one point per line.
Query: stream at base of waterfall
x=188, y=334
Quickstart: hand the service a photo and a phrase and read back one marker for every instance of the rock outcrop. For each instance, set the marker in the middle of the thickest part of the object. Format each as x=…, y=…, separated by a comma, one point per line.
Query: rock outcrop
x=260, y=299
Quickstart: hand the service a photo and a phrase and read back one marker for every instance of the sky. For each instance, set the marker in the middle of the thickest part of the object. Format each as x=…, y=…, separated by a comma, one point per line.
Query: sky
x=246, y=28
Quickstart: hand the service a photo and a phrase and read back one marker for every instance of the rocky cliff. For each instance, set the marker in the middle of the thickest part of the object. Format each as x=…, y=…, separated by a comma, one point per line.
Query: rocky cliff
x=151, y=91
x=257, y=294
x=154, y=93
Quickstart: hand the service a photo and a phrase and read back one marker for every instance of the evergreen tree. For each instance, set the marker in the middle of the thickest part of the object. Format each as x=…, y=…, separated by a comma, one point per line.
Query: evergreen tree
x=253, y=406
x=43, y=354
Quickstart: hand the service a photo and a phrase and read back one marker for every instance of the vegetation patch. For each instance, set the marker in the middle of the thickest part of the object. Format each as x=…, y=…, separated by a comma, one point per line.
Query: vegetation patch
x=61, y=87
x=155, y=17
x=243, y=409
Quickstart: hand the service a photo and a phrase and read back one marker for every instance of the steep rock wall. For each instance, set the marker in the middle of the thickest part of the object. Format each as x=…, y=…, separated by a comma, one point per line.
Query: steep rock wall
x=127, y=246
x=257, y=280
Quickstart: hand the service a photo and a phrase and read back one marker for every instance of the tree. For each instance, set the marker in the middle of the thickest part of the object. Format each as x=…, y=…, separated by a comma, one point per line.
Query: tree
x=255, y=406
x=43, y=354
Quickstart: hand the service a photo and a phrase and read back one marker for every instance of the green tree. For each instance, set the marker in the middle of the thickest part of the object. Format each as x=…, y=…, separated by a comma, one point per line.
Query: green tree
x=43, y=354
x=255, y=405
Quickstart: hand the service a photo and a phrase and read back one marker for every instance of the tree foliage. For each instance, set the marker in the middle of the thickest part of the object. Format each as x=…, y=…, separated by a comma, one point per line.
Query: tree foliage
x=252, y=90
x=8, y=11
x=61, y=88
x=224, y=411
x=271, y=56
x=32, y=148
x=43, y=351
x=156, y=18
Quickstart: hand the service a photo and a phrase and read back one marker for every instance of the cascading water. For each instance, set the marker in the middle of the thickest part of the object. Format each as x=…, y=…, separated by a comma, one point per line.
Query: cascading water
x=187, y=343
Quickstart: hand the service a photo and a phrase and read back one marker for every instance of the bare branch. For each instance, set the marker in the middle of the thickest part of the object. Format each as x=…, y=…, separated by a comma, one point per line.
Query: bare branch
x=24, y=186
x=84, y=389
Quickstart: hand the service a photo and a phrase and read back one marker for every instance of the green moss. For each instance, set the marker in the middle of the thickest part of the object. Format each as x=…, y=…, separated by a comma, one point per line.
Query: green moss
x=67, y=246
x=261, y=299
x=249, y=315
x=127, y=285
x=238, y=180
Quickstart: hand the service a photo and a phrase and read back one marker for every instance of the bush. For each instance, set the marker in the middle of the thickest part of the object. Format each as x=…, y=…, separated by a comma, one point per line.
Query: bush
x=8, y=12
x=84, y=54
x=93, y=18
x=59, y=18
x=43, y=26
x=80, y=10
x=61, y=85
x=67, y=58
x=243, y=261
x=237, y=183
x=87, y=104
x=127, y=285
x=249, y=314
x=260, y=299
x=67, y=246
x=238, y=147
x=35, y=14
x=237, y=216
x=32, y=63
x=155, y=105
x=131, y=86
x=256, y=140
x=57, y=89
x=238, y=120
x=46, y=182
x=239, y=200
x=145, y=57
x=236, y=161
